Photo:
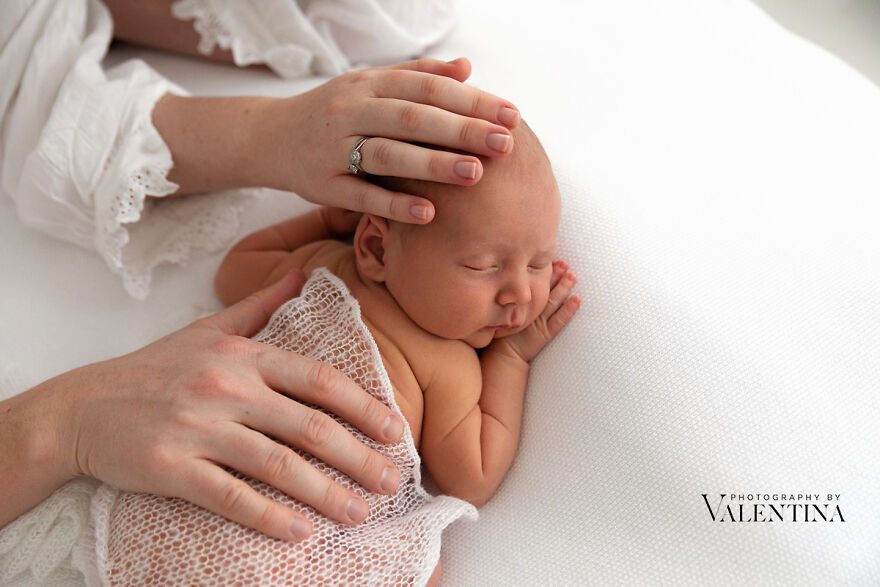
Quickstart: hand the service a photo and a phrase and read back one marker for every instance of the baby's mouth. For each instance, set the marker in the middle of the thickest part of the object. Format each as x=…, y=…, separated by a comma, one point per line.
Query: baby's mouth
x=505, y=326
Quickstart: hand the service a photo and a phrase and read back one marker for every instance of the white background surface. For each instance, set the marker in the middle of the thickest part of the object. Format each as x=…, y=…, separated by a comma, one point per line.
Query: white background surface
x=721, y=208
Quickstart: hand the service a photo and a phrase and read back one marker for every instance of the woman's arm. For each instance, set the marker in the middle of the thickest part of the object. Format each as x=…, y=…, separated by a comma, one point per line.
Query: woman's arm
x=168, y=419
x=302, y=143
x=151, y=24
x=473, y=413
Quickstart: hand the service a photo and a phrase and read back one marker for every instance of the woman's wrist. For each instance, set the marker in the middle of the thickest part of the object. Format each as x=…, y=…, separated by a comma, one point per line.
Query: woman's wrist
x=219, y=143
x=38, y=431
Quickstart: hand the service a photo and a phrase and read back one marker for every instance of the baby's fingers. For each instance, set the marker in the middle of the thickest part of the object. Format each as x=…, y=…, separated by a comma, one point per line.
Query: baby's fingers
x=560, y=267
x=563, y=315
x=560, y=288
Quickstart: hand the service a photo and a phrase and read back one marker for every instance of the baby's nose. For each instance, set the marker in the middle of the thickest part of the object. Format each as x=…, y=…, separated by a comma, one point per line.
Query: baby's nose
x=516, y=291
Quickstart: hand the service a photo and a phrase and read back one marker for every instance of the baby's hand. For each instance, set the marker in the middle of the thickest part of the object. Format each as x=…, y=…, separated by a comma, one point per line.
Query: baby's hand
x=339, y=221
x=559, y=311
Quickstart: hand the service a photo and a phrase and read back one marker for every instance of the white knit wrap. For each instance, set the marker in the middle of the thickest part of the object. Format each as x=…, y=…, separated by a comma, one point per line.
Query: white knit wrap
x=148, y=537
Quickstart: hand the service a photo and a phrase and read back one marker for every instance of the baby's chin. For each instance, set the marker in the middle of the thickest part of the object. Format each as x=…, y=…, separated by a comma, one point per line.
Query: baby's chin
x=505, y=332
x=482, y=339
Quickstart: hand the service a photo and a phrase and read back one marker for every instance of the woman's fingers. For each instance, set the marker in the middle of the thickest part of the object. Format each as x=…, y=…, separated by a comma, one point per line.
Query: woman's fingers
x=259, y=457
x=354, y=193
x=411, y=121
x=249, y=315
x=380, y=156
x=207, y=485
x=307, y=380
x=447, y=94
x=458, y=69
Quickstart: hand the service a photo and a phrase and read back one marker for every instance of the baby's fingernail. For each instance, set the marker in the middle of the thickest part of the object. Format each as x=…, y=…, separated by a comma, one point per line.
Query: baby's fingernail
x=300, y=528
x=420, y=212
x=389, y=481
x=465, y=169
x=392, y=428
x=498, y=141
x=356, y=510
x=508, y=116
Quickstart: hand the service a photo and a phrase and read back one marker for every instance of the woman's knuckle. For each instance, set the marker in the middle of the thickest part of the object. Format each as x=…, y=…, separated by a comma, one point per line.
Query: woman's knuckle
x=372, y=411
x=336, y=106
x=267, y=517
x=318, y=429
x=160, y=459
x=381, y=156
x=409, y=117
x=465, y=132
x=233, y=498
x=321, y=379
x=368, y=464
x=429, y=88
x=363, y=76
x=233, y=346
x=280, y=464
x=209, y=382
x=360, y=197
x=437, y=166
x=328, y=498
x=477, y=104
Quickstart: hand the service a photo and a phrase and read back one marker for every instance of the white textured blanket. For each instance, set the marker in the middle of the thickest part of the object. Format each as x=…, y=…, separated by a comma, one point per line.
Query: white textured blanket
x=721, y=209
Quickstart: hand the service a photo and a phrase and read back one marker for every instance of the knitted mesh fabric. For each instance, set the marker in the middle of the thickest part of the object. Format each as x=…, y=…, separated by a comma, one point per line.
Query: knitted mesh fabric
x=153, y=539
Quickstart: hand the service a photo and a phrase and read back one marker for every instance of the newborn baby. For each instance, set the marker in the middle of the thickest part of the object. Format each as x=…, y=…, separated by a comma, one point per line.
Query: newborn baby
x=456, y=308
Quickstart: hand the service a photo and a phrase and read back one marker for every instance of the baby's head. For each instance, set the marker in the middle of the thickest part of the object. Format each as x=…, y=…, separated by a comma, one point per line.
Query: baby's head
x=481, y=269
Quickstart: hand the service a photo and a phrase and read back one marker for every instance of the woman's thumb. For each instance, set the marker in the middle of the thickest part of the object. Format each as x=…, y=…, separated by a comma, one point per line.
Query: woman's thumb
x=248, y=316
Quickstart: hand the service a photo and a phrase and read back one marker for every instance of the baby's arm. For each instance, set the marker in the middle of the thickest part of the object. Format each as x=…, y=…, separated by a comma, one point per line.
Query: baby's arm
x=265, y=256
x=473, y=411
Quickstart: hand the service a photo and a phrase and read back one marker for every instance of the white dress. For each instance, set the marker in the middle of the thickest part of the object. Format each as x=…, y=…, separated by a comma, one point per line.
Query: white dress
x=78, y=151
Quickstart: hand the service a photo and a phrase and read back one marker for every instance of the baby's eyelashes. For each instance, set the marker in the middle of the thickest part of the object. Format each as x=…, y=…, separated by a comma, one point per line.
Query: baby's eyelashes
x=481, y=268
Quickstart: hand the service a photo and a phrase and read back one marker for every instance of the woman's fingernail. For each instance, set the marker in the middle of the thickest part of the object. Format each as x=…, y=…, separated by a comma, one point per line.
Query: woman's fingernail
x=498, y=141
x=465, y=169
x=508, y=116
x=389, y=481
x=420, y=212
x=300, y=528
x=356, y=510
x=393, y=427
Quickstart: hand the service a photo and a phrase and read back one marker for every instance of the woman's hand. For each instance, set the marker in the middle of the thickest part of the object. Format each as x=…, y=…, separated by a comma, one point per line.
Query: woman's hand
x=303, y=143
x=168, y=418
x=558, y=312
x=421, y=101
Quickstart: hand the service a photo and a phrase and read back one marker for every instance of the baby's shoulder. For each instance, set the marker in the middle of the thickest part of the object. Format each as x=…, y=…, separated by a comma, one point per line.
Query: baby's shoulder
x=325, y=253
x=447, y=362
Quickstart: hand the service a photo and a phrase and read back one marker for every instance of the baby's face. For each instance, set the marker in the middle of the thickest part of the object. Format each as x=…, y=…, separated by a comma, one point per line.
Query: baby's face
x=482, y=268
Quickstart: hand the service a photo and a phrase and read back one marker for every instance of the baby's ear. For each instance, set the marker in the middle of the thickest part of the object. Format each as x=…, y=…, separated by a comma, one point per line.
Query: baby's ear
x=369, y=246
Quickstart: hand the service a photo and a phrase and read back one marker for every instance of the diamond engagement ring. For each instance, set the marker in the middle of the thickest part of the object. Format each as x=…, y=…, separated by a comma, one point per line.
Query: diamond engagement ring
x=355, y=156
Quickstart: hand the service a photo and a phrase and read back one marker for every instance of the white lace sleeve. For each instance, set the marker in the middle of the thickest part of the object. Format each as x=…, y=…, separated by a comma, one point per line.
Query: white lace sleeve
x=79, y=152
x=298, y=37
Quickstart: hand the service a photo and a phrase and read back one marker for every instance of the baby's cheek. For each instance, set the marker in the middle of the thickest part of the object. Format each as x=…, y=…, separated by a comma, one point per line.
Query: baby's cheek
x=539, y=302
